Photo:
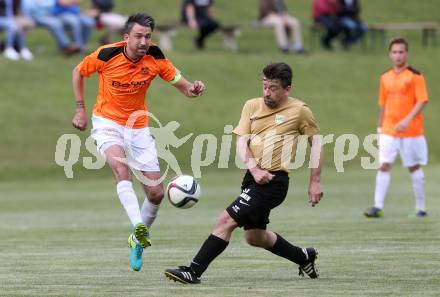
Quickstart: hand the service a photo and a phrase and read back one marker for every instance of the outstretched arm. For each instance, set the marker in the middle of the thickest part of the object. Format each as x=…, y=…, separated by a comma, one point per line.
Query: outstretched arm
x=317, y=157
x=189, y=89
x=80, y=119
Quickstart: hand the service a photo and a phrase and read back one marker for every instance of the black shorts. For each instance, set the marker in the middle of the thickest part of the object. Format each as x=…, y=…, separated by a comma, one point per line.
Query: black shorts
x=252, y=208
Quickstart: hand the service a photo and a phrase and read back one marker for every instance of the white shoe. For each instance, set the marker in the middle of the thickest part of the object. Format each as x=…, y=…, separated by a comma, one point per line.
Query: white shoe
x=11, y=54
x=26, y=54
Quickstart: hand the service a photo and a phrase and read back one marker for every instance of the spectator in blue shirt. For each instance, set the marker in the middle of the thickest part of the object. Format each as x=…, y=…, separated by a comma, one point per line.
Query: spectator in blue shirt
x=79, y=24
x=41, y=12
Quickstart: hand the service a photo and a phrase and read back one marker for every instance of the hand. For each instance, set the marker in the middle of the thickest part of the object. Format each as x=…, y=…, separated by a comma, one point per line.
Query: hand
x=80, y=119
x=401, y=126
x=197, y=88
x=315, y=193
x=261, y=176
x=193, y=24
x=92, y=12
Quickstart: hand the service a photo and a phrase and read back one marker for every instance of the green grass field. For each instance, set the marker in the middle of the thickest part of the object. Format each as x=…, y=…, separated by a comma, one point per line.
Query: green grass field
x=68, y=238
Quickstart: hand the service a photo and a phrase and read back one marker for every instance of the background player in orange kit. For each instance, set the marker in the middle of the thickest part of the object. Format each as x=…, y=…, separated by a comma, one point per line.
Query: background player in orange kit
x=402, y=97
x=125, y=71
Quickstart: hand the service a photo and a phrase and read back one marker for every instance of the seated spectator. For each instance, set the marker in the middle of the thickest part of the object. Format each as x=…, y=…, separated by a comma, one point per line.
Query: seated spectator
x=40, y=11
x=350, y=22
x=273, y=13
x=14, y=34
x=101, y=11
x=24, y=24
x=325, y=13
x=79, y=24
x=199, y=15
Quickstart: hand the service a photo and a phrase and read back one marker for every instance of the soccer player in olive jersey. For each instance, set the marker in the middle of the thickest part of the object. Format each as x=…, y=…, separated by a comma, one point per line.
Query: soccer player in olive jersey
x=125, y=71
x=263, y=131
x=402, y=98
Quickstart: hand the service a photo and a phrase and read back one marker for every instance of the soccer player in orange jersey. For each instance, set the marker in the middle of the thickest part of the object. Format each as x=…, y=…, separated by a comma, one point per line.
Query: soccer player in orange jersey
x=125, y=71
x=402, y=98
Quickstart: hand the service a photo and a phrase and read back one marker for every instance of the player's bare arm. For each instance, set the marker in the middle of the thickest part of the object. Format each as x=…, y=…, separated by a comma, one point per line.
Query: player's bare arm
x=403, y=124
x=189, y=89
x=317, y=155
x=191, y=16
x=80, y=118
x=261, y=176
x=380, y=119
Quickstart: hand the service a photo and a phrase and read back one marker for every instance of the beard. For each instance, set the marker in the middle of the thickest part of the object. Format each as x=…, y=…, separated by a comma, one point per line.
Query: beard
x=270, y=102
x=141, y=51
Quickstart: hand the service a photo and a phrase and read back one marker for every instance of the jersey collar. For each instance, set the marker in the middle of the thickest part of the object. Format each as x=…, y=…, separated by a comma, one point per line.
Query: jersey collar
x=128, y=58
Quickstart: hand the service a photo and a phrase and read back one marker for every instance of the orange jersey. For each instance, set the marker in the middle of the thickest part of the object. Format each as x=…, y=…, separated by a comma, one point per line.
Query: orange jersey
x=123, y=82
x=399, y=92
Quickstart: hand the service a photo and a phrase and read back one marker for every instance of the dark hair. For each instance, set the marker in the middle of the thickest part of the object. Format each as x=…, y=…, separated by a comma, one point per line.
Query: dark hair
x=279, y=71
x=142, y=19
x=398, y=40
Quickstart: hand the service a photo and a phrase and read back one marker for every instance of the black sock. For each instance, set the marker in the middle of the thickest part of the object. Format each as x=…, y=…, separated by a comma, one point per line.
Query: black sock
x=211, y=248
x=285, y=249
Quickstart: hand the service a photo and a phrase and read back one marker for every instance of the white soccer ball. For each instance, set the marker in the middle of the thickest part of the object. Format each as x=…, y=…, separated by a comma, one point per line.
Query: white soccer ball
x=183, y=191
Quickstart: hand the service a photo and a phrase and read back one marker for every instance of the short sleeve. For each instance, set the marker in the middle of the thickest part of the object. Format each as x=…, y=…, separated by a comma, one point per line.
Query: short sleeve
x=244, y=124
x=382, y=93
x=90, y=64
x=167, y=71
x=307, y=125
x=420, y=89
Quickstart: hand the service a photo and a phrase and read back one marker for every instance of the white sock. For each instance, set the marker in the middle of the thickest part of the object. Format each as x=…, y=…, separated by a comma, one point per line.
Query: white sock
x=382, y=183
x=129, y=201
x=149, y=212
x=418, y=181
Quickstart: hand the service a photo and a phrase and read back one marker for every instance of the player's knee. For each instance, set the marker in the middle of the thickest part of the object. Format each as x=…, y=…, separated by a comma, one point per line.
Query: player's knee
x=56, y=25
x=11, y=26
x=121, y=172
x=224, y=223
x=385, y=167
x=294, y=23
x=155, y=195
x=414, y=168
x=279, y=25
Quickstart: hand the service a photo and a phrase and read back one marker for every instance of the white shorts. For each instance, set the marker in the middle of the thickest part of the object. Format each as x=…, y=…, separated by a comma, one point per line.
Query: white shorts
x=139, y=145
x=412, y=150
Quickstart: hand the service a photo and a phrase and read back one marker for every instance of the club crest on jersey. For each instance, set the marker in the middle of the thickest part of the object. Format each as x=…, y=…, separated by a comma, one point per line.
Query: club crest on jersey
x=145, y=70
x=279, y=119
